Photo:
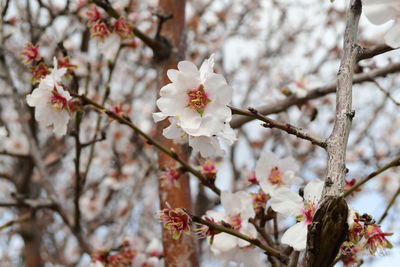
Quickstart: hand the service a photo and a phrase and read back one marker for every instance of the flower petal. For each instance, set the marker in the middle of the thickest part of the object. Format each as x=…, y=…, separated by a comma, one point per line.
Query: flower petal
x=392, y=37
x=285, y=201
x=313, y=190
x=296, y=236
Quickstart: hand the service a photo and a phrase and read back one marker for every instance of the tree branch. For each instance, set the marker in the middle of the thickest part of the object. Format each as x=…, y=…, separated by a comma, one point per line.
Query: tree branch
x=290, y=129
x=152, y=141
x=315, y=93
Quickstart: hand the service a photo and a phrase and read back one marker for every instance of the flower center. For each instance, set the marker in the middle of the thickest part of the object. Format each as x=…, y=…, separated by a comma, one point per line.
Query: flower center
x=198, y=99
x=235, y=221
x=58, y=101
x=307, y=212
x=275, y=177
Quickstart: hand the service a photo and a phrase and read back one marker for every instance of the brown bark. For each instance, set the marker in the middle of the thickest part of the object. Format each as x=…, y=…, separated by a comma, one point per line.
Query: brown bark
x=180, y=252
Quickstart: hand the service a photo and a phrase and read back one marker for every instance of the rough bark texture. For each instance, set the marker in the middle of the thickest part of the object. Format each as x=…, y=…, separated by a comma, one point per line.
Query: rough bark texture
x=180, y=252
x=329, y=227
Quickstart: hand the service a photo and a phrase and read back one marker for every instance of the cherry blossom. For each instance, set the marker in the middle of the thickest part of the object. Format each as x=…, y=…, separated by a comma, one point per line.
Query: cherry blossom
x=273, y=172
x=176, y=221
x=51, y=101
x=237, y=211
x=381, y=11
x=289, y=203
x=197, y=98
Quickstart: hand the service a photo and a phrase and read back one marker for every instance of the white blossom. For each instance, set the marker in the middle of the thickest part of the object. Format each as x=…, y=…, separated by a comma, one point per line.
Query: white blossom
x=238, y=209
x=381, y=11
x=51, y=102
x=289, y=203
x=196, y=98
x=273, y=172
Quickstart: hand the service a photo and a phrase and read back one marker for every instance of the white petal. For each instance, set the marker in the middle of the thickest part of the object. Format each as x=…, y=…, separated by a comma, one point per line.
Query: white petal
x=187, y=67
x=313, y=190
x=207, y=68
x=223, y=242
x=379, y=12
x=207, y=146
x=285, y=201
x=173, y=75
x=189, y=119
x=296, y=236
x=159, y=116
x=217, y=88
x=392, y=37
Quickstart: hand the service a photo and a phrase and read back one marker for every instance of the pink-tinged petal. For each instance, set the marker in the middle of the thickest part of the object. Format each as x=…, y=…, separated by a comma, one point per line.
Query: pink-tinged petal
x=392, y=37
x=313, y=190
x=296, y=236
x=207, y=68
x=189, y=119
x=187, y=67
x=217, y=88
x=285, y=201
x=379, y=11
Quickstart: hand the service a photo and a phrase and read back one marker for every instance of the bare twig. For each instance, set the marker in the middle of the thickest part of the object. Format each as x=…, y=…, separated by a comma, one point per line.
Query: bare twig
x=315, y=93
x=390, y=204
x=290, y=129
x=393, y=163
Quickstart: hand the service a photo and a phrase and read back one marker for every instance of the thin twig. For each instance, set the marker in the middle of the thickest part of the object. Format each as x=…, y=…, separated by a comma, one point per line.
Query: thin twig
x=290, y=129
x=123, y=120
x=390, y=204
x=256, y=242
x=393, y=163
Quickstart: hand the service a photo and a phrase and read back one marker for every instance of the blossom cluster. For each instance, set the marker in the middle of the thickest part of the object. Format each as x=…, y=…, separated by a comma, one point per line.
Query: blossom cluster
x=125, y=255
x=364, y=234
x=195, y=102
x=53, y=103
x=101, y=29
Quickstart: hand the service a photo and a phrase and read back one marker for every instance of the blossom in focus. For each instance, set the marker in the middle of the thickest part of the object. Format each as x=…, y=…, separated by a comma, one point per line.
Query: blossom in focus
x=196, y=98
x=30, y=53
x=381, y=11
x=289, y=203
x=52, y=103
x=273, y=172
x=237, y=212
x=176, y=220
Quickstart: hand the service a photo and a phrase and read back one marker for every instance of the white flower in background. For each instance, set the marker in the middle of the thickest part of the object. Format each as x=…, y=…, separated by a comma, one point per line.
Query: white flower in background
x=381, y=11
x=246, y=256
x=238, y=209
x=17, y=144
x=273, y=172
x=289, y=203
x=197, y=98
x=51, y=101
